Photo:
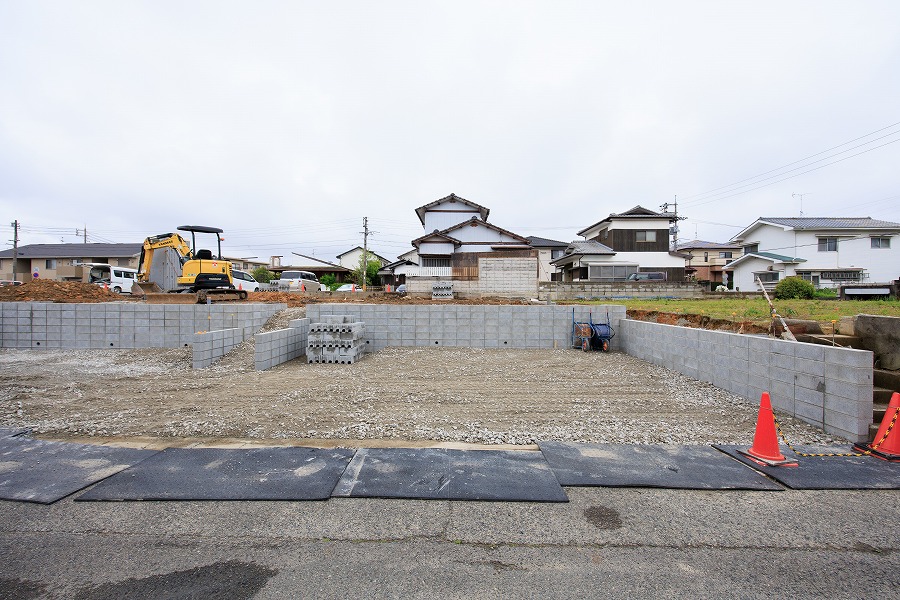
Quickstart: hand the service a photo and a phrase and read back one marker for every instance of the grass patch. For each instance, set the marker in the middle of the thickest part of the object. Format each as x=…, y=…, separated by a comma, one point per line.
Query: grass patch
x=756, y=309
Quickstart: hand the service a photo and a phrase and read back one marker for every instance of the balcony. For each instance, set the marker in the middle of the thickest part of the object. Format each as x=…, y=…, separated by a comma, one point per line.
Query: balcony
x=429, y=271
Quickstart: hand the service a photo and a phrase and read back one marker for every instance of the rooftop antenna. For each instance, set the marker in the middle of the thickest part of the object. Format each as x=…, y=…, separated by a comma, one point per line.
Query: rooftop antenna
x=801, y=200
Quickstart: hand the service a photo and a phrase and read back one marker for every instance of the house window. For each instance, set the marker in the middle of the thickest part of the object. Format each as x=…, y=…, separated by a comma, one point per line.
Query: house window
x=50, y=263
x=881, y=242
x=751, y=248
x=724, y=254
x=435, y=262
x=768, y=276
x=554, y=254
x=706, y=257
x=828, y=244
x=645, y=236
x=611, y=272
x=842, y=275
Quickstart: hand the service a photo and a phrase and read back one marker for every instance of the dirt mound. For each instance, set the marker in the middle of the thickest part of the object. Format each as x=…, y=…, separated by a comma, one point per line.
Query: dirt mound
x=297, y=300
x=697, y=321
x=47, y=290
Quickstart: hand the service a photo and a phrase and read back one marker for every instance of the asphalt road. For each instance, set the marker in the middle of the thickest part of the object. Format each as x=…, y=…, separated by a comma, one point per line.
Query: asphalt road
x=604, y=543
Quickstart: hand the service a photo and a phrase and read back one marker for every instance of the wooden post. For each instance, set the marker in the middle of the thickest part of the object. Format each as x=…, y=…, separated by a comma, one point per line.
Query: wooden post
x=787, y=332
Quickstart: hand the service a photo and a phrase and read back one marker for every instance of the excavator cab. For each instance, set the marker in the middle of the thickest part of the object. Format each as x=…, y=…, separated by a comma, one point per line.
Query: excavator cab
x=203, y=270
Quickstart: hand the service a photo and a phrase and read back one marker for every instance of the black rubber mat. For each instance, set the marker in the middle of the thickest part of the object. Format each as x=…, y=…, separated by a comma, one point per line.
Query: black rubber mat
x=44, y=472
x=827, y=472
x=7, y=432
x=219, y=474
x=657, y=466
x=444, y=474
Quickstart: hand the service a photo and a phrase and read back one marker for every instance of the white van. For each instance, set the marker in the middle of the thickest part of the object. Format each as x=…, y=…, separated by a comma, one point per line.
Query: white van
x=244, y=280
x=117, y=279
x=299, y=281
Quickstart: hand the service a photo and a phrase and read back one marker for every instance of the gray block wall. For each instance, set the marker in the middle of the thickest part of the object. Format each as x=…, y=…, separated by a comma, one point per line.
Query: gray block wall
x=210, y=346
x=276, y=347
x=827, y=387
x=122, y=324
x=475, y=326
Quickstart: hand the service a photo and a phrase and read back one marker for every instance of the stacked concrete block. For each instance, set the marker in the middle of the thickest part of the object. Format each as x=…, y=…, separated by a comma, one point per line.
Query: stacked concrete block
x=210, y=346
x=441, y=290
x=827, y=387
x=276, y=347
x=338, y=339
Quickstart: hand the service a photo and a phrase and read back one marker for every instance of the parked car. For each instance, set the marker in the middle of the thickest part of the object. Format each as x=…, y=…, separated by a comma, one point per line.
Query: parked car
x=9, y=283
x=349, y=287
x=244, y=281
x=117, y=279
x=401, y=289
x=648, y=276
x=302, y=281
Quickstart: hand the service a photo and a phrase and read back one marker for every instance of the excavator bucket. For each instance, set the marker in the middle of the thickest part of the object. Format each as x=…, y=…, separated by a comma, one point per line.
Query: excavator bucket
x=144, y=288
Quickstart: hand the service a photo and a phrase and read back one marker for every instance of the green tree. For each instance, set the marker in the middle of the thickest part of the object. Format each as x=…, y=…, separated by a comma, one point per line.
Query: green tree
x=372, y=265
x=791, y=288
x=328, y=280
x=262, y=274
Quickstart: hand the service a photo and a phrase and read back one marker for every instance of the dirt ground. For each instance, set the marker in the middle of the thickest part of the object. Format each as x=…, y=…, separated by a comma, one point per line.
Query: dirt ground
x=398, y=394
x=402, y=395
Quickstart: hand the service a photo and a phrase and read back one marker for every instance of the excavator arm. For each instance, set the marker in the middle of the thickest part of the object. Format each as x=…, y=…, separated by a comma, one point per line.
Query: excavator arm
x=157, y=242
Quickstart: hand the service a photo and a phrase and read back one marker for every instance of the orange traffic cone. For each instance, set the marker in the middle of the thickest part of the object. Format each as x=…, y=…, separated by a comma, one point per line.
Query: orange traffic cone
x=302, y=287
x=887, y=440
x=240, y=286
x=765, y=448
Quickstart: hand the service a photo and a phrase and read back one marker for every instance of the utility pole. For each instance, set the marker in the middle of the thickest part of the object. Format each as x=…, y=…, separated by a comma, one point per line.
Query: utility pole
x=15, y=241
x=365, y=269
x=665, y=209
x=84, y=231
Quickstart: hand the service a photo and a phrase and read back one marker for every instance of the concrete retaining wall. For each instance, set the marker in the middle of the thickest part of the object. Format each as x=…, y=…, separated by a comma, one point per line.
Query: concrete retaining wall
x=475, y=326
x=556, y=290
x=827, y=387
x=122, y=325
x=276, y=347
x=210, y=346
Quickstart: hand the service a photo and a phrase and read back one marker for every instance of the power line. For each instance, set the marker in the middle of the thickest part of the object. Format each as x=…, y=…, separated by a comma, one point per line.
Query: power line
x=803, y=159
x=790, y=177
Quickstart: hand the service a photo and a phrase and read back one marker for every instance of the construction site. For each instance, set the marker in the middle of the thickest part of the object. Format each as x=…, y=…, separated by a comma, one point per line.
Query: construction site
x=573, y=428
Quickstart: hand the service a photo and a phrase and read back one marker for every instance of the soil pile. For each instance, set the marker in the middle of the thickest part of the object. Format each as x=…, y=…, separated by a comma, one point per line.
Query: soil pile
x=46, y=290
x=297, y=300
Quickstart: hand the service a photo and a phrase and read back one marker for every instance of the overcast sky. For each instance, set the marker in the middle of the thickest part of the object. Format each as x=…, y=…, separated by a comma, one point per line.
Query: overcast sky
x=286, y=123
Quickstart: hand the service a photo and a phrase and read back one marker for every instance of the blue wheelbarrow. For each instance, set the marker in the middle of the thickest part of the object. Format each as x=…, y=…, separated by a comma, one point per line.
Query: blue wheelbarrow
x=591, y=336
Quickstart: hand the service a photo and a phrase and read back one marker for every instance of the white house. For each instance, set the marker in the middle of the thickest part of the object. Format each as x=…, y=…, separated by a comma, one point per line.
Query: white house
x=458, y=226
x=548, y=251
x=351, y=258
x=622, y=244
x=825, y=251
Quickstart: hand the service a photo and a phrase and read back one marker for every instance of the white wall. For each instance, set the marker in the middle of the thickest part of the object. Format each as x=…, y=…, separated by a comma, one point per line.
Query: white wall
x=442, y=220
x=435, y=248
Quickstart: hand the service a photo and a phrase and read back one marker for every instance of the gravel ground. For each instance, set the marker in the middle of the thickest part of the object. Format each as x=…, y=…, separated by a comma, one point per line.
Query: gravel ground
x=437, y=394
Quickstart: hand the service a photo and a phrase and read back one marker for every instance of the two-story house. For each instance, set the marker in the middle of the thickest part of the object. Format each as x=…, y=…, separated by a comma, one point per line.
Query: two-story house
x=620, y=245
x=458, y=226
x=706, y=260
x=826, y=251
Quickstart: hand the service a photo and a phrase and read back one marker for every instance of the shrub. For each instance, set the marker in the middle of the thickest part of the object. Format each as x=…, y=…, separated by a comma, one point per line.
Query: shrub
x=826, y=294
x=791, y=288
x=262, y=274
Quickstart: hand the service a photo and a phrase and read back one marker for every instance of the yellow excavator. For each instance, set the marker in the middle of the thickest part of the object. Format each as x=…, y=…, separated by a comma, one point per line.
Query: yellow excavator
x=198, y=277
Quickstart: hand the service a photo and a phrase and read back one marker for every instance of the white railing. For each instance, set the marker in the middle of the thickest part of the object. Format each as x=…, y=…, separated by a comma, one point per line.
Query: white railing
x=429, y=271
